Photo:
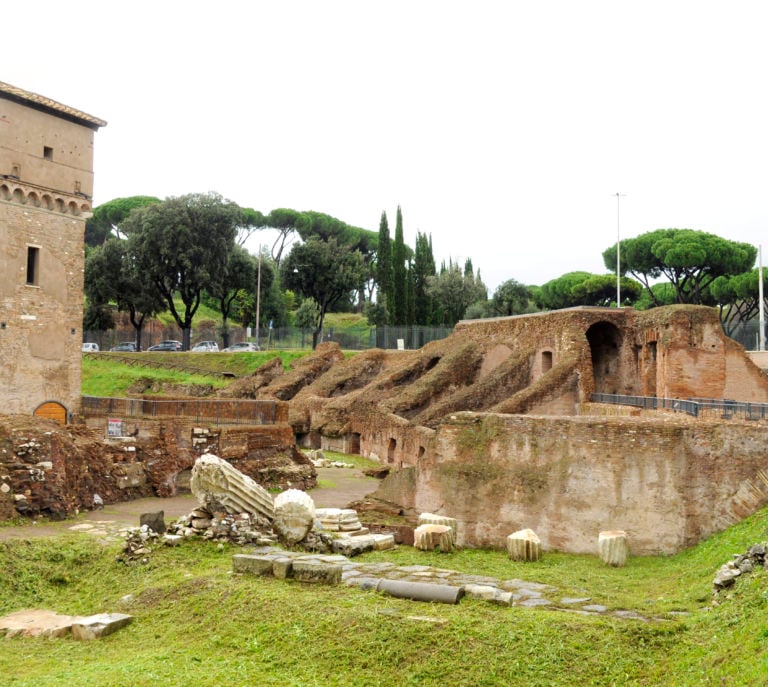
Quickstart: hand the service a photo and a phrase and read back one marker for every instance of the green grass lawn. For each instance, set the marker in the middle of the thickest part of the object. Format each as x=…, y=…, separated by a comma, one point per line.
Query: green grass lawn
x=107, y=375
x=198, y=624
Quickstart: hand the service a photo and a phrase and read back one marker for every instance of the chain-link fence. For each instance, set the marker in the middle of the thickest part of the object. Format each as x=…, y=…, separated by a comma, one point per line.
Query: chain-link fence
x=349, y=338
x=747, y=334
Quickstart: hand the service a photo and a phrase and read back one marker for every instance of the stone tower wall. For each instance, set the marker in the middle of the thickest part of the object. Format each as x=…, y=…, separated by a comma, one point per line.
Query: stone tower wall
x=46, y=183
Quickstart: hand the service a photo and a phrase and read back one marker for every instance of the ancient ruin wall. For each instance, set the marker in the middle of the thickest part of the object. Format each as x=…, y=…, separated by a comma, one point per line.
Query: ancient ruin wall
x=45, y=468
x=668, y=482
x=744, y=380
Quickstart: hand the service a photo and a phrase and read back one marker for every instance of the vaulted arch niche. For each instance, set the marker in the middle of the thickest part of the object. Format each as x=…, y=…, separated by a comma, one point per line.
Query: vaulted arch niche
x=605, y=345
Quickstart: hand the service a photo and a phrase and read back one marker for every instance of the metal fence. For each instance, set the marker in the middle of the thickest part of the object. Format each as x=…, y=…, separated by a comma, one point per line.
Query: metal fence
x=747, y=334
x=211, y=411
x=696, y=407
x=349, y=338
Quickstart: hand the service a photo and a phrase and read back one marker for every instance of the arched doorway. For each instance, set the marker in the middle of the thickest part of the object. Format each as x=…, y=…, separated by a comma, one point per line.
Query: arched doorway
x=53, y=410
x=605, y=346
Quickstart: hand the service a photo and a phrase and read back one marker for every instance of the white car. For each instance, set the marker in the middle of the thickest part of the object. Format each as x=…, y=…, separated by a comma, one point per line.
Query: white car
x=241, y=347
x=206, y=346
x=90, y=347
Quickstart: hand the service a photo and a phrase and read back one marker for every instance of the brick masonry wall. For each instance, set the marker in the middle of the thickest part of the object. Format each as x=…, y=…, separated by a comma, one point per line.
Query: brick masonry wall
x=41, y=328
x=45, y=468
x=547, y=363
x=669, y=482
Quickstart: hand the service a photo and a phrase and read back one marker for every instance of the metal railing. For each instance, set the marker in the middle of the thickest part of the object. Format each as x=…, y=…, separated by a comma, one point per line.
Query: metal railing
x=212, y=411
x=283, y=338
x=696, y=407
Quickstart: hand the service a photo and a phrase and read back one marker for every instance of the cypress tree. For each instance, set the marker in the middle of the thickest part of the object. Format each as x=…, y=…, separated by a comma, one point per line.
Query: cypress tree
x=399, y=272
x=423, y=268
x=384, y=277
x=410, y=301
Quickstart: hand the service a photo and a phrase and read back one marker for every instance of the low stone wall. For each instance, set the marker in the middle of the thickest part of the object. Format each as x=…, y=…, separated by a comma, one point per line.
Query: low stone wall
x=669, y=482
x=54, y=470
x=217, y=411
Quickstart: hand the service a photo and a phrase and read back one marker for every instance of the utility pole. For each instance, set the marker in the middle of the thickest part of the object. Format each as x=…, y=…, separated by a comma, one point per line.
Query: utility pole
x=619, y=196
x=258, y=298
x=760, y=296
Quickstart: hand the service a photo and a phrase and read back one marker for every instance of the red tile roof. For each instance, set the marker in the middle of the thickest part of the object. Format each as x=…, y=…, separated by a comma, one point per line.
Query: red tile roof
x=51, y=106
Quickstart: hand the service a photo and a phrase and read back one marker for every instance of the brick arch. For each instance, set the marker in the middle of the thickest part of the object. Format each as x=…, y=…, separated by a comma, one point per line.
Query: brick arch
x=605, y=341
x=5, y=191
x=33, y=199
x=53, y=410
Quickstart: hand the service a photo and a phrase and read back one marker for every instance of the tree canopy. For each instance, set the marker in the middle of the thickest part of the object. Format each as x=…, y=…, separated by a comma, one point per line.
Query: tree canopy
x=182, y=246
x=510, y=298
x=423, y=269
x=453, y=292
x=111, y=275
x=325, y=271
x=690, y=260
x=738, y=298
x=584, y=288
x=240, y=274
x=108, y=217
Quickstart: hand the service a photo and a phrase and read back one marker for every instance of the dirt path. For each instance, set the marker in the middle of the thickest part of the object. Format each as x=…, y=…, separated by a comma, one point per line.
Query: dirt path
x=338, y=487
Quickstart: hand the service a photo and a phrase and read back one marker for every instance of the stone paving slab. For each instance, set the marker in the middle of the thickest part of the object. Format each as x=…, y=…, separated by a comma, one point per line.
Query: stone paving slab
x=34, y=622
x=513, y=592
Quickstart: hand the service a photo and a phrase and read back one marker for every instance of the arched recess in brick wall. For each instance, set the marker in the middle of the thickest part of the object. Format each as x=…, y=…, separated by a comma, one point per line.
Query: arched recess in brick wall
x=53, y=410
x=605, y=345
x=22, y=195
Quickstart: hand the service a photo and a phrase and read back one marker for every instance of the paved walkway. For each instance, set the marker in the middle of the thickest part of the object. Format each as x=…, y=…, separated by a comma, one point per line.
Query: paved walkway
x=424, y=583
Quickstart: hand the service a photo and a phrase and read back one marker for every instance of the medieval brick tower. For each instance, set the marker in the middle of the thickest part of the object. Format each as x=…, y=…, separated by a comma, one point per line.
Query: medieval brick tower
x=46, y=185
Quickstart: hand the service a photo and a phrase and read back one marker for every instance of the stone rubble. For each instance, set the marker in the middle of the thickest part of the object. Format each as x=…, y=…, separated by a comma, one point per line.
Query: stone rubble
x=754, y=557
x=291, y=518
x=339, y=519
x=320, y=461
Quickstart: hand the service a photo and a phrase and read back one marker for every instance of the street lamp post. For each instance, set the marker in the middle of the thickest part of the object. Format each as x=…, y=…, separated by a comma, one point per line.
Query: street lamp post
x=618, y=249
x=761, y=339
x=258, y=298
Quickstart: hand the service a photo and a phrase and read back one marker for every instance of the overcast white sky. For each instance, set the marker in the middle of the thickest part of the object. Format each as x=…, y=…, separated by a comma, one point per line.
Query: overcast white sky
x=504, y=129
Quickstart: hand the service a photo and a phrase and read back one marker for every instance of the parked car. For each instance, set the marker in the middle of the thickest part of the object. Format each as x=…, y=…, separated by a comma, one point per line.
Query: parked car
x=206, y=346
x=168, y=345
x=125, y=347
x=90, y=347
x=241, y=347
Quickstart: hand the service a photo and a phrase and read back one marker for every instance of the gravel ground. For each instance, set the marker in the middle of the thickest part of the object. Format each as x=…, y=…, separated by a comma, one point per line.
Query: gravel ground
x=344, y=485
